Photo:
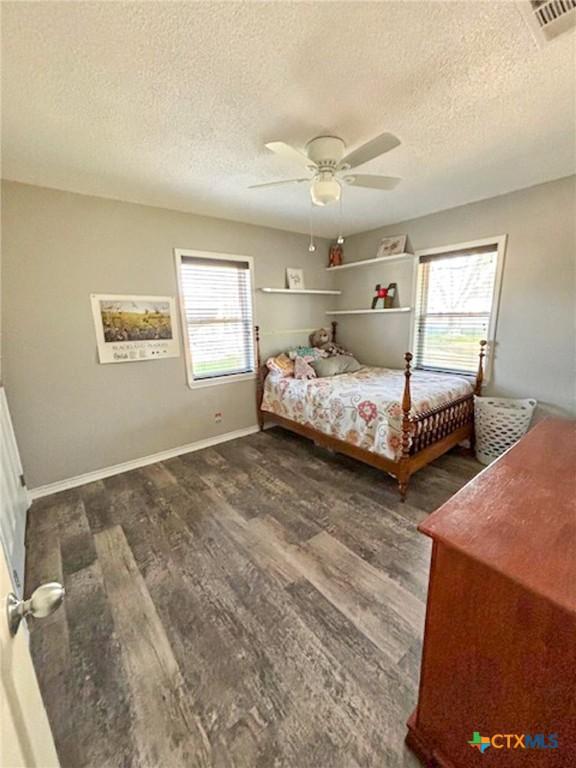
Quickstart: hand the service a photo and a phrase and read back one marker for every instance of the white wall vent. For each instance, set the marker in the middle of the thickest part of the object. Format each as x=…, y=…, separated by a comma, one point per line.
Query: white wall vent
x=548, y=18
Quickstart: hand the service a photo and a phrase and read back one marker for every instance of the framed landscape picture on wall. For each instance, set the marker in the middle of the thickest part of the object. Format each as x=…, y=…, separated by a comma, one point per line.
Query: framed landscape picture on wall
x=134, y=328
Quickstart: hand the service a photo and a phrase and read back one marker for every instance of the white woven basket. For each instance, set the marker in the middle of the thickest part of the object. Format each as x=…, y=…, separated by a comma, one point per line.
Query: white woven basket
x=499, y=422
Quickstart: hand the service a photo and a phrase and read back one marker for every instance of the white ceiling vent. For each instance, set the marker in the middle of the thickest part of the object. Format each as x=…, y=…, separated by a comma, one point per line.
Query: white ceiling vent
x=548, y=18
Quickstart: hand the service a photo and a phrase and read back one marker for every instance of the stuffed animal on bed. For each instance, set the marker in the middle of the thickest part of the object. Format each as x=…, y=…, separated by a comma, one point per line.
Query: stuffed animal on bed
x=322, y=339
x=302, y=357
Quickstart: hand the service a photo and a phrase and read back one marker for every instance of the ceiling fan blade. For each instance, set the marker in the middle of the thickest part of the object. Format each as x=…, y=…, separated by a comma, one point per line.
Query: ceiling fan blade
x=378, y=146
x=372, y=182
x=277, y=183
x=289, y=153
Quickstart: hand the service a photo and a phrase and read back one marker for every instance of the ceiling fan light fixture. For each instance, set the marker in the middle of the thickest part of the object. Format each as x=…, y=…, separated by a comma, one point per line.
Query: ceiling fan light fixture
x=325, y=191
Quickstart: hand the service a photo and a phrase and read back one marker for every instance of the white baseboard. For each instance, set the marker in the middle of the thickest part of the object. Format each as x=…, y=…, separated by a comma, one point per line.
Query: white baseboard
x=126, y=466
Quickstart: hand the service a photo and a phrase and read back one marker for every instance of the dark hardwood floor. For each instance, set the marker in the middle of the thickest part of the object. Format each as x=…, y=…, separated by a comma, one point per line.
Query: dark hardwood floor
x=256, y=604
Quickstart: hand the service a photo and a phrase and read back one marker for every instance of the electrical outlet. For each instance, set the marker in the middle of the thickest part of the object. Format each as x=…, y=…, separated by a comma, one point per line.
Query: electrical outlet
x=218, y=417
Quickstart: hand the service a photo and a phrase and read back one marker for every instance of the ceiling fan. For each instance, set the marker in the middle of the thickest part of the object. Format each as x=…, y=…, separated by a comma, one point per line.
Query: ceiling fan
x=325, y=157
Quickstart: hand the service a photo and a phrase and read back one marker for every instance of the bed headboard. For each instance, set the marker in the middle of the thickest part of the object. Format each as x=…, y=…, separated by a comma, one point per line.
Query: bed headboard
x=334, y=325
x=261, y=370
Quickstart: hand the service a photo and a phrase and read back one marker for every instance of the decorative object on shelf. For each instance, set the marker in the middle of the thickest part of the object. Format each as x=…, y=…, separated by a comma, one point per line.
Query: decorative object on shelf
x=295, y=278
x=335, y=255
x=391, y=246
x=380, y=295
x=386, y=295
x=391, y=295
x=134, y=328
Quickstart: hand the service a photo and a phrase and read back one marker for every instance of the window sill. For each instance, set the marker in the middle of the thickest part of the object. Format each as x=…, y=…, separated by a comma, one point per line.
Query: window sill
x=220, y=380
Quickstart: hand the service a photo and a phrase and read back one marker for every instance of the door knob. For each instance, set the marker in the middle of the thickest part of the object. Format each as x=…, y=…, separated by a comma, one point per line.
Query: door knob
x=43, y=601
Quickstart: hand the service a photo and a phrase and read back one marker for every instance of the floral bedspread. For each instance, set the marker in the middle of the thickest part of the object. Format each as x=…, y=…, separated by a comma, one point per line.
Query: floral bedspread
x=362, y=408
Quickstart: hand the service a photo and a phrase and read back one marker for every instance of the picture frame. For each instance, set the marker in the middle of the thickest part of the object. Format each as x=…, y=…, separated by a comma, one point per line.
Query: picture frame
x=132, y=328
x=295, y=278
x=392, y=246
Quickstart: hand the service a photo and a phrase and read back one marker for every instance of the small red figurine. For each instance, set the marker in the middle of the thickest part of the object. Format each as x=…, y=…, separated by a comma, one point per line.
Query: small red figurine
x=335, y=255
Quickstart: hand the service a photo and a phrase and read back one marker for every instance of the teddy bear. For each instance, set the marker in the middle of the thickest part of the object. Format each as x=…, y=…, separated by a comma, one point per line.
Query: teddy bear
x=322, y=339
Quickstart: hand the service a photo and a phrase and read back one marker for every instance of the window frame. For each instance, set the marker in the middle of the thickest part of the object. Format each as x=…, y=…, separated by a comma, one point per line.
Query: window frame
x=500, y=241
x=179, y=255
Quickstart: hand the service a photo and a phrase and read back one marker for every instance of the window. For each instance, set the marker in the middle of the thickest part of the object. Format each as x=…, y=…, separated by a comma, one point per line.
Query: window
x=456, y=304
x=216, y=300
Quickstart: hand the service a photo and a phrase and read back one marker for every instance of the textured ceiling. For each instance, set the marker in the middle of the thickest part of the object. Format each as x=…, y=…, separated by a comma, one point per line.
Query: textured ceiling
x=170, y=103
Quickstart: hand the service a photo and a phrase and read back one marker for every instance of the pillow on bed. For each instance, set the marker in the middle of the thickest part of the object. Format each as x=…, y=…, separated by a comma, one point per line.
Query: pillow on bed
x=308, y=352
x=281, y=365
x=332, y=366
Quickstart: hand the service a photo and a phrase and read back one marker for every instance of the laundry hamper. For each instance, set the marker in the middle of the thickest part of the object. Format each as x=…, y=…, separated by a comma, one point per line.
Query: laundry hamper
x=499, y=422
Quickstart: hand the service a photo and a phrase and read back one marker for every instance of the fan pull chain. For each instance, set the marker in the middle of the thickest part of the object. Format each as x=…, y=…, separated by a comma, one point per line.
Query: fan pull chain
x=340, y=238
x=312, y=246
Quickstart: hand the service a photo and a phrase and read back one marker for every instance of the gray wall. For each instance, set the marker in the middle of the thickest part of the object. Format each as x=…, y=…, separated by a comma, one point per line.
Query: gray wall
x=72, y=415
x=535, y=337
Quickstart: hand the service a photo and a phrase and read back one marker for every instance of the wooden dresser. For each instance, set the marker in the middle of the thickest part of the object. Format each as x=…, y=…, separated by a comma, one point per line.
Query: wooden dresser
x=499, y=656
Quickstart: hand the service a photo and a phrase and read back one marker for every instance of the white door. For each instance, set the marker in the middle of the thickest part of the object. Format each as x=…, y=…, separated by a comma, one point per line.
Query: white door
x=25, y=736
x=14, y=499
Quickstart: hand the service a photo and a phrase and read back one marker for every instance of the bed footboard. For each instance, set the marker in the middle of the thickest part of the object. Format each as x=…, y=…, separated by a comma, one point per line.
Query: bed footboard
x=421, y=431
x=428, y=435
x=431, y=426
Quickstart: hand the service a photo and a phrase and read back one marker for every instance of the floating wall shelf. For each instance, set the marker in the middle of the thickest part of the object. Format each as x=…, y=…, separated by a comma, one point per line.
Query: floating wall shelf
x=301, y=290
x=368, y=311
x=378, y=259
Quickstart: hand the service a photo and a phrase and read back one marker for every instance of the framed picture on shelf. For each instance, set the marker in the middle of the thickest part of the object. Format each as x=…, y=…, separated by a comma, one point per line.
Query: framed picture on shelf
x=392, y=246
x=295, y=279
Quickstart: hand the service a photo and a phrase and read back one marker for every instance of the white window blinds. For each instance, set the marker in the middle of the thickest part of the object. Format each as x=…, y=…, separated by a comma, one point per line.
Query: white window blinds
x=454, y=307
x=217, y=298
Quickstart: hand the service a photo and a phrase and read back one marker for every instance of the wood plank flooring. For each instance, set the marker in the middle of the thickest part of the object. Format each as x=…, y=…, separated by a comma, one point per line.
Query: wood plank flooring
x=256, y=604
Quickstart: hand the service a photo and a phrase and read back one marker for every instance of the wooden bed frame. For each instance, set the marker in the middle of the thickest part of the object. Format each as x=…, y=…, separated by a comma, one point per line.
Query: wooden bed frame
x=425, y=437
